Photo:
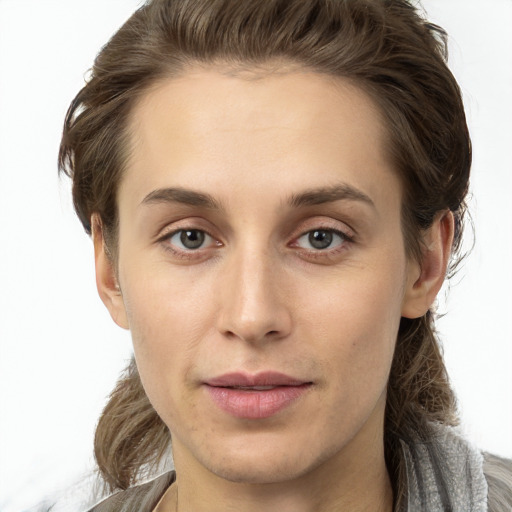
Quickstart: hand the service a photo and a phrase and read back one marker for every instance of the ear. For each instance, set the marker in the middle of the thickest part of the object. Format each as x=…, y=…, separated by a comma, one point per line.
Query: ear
x=106, y=278
x=426, y=278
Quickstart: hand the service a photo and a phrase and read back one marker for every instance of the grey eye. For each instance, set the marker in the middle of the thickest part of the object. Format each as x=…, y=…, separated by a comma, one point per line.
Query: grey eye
x=189, y=239
x=320, y=239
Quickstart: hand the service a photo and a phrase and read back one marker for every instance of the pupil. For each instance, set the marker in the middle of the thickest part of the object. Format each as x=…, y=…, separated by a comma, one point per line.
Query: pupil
x=192, y=239
x=320, y=239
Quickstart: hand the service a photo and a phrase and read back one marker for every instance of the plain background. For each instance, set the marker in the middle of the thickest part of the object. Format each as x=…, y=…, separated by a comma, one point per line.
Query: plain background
x=60, y=353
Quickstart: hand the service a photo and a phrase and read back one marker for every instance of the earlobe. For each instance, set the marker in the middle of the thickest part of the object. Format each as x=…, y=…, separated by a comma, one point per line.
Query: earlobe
x=425, y=280
x=106, y=279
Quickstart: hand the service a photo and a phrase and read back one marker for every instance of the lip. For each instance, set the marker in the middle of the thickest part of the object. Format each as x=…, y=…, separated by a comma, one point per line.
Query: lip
x=229, y=392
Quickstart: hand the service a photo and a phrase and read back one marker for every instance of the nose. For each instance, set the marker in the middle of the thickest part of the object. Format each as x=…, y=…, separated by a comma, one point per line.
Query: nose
x=254, y=303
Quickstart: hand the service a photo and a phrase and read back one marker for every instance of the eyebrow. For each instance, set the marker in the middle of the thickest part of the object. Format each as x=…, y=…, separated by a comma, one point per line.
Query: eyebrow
x=183, y=196
x=323, y=195
x=310, y=197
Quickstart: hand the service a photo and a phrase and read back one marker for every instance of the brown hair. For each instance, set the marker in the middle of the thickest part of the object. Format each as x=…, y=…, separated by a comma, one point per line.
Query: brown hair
x=384, y=46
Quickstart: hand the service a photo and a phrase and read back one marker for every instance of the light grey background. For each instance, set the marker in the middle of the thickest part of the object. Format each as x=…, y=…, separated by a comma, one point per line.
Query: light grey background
x=60, y=353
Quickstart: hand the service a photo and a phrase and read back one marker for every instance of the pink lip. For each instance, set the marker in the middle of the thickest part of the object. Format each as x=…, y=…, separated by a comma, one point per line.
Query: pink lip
x=255, y=404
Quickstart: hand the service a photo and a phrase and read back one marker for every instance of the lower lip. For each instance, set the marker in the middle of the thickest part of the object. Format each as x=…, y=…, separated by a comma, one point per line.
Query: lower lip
x=256, y=404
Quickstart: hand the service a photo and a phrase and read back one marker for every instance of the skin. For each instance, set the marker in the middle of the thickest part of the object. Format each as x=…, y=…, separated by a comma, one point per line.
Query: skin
x=257, y=296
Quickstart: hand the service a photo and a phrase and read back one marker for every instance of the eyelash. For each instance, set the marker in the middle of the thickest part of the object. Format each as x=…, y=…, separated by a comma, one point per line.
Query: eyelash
x=327, y=252
x=184, y=254
x=198, y=253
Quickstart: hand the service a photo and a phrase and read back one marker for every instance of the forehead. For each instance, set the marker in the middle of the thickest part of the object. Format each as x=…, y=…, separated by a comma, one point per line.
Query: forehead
x=208, y=128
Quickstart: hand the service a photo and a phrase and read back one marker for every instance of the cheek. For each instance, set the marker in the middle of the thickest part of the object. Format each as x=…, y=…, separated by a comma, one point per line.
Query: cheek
x=163, y=307
x=167, y=324
x=362, y=304
x=358, y=320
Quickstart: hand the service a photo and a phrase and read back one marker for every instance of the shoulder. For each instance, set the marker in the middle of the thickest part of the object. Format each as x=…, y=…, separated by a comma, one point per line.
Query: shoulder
x=143, y=497
x=498, y=473
x=446, y=472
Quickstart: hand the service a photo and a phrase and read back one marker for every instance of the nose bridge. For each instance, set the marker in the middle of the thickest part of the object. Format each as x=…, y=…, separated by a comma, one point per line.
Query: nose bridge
x=253, y=305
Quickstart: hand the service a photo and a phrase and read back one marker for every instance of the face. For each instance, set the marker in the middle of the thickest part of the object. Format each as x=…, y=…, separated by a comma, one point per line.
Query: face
x=262, y=270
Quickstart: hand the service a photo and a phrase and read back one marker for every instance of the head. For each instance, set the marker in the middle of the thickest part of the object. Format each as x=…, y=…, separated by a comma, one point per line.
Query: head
x=374, y=66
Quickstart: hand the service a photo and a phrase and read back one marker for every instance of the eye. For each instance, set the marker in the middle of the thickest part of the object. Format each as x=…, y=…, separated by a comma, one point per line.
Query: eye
x=190, y=239
x=320, y=239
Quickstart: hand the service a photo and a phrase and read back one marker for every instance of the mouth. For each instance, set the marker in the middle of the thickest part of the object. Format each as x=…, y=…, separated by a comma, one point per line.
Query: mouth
x=255, y=396
x=251, y=388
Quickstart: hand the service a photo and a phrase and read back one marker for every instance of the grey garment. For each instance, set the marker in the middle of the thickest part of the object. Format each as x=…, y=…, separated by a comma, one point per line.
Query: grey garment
x=444, y=474
x=498, y=473
x=140, y=498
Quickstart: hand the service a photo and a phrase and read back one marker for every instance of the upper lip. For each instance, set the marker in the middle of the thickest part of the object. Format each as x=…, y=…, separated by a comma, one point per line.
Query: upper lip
x=268, y=378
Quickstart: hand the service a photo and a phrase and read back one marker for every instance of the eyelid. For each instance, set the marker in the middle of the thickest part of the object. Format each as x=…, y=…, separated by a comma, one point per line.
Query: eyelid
x=164, y=239
x=324, y=223
x=328, y=255
x=207, y=241
x=343, y=237
x=318, y=223
x=191, y=223
x=172, y=232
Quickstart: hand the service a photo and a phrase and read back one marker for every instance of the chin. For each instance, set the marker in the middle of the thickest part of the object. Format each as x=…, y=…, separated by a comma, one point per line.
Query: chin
x=267, y=464
x=254, y=472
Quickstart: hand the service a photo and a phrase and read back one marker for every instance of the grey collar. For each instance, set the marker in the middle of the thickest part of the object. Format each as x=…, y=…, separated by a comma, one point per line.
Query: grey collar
x=444, y=474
